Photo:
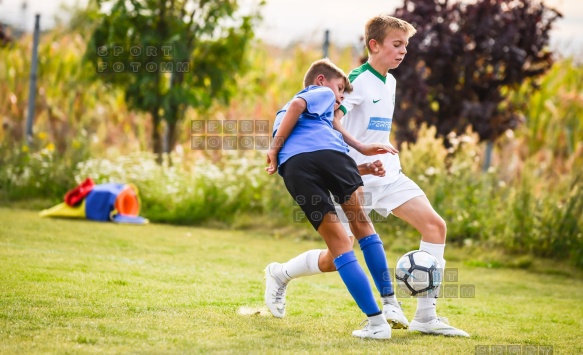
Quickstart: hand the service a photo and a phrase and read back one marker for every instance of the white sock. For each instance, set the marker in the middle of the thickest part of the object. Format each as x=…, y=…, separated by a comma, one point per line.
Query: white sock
x=426, y=305
x=305, y=264
x=377, y=320
x=392, y=300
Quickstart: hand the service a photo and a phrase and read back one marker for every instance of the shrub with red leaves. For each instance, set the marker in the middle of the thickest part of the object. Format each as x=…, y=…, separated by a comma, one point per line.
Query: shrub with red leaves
x=463, y=58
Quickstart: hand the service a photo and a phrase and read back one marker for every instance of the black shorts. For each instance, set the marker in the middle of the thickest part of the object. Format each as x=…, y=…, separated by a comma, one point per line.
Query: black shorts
x=311, y=177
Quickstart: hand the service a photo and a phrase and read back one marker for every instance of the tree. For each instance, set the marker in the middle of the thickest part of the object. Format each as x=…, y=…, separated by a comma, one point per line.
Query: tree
x=463, y=60
x=168, y=55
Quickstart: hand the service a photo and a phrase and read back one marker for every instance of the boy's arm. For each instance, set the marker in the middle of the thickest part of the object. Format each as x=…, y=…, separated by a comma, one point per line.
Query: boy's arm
x=348, y=138
x=364, y=149
x=296, y=107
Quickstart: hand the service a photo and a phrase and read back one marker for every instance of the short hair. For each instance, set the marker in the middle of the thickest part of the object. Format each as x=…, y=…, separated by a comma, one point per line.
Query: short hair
x=377, y=28
x=329, y=70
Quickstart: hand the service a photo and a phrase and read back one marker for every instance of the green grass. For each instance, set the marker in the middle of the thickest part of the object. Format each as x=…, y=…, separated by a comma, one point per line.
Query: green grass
x=69, y=286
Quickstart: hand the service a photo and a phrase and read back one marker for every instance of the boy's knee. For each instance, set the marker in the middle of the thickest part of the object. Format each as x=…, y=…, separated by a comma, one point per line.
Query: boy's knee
x=440, y=227
x=362, y=229
x=434, y=230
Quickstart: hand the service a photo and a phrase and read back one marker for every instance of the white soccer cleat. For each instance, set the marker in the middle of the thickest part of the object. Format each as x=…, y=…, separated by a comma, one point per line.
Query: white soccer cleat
x=382, y=331
x=274, y=293
x=437, y=326
x=395, y=317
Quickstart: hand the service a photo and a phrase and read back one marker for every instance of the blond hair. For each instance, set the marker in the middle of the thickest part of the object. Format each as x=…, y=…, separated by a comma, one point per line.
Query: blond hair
x=378, y=27
x=329, y=70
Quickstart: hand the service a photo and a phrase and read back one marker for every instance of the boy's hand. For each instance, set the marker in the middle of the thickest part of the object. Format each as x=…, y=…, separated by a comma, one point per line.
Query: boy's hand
x=377, y=148
x=272, y=161
x=375, y=168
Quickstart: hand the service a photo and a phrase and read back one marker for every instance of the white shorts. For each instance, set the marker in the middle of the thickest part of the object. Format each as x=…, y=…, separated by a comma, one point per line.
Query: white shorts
x=385, y=198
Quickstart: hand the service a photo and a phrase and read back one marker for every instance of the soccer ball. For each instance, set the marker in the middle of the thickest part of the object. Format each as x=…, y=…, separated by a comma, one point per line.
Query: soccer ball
x=418, y=273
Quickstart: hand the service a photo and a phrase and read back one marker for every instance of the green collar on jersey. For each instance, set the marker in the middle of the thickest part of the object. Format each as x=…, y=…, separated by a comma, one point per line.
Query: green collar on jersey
x=366, y=66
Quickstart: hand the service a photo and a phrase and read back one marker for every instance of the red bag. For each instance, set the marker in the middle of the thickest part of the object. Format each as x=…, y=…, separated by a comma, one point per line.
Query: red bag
x=75, y=196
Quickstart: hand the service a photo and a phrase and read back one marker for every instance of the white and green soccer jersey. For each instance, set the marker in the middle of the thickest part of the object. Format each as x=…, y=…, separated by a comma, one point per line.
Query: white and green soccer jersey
x=368, y=117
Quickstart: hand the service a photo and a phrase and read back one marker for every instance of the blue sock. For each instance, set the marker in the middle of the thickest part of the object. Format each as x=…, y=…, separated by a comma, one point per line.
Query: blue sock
x=376, y=260
x=357, y=283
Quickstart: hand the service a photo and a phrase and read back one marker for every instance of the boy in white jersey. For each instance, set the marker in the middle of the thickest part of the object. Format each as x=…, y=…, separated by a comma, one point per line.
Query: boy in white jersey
x=368, y=113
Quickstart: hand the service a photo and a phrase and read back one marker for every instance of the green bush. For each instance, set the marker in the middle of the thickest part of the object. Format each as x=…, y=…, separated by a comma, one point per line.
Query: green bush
x=193, y=192
x=41, y=174
x=537, y=214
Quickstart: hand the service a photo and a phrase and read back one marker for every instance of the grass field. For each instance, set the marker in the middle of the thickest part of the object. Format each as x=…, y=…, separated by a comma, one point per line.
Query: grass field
x=70, y=286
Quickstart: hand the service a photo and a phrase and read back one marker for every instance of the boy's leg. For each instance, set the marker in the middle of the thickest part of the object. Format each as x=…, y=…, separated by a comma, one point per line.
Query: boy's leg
x=375, y=257
x=419, y=213
x=277, y=276
x=305, y=264
x=311, y=262
x=353, y=276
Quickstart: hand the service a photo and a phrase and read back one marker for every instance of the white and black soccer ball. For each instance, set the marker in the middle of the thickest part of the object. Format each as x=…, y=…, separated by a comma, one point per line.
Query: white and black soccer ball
x=418, y=273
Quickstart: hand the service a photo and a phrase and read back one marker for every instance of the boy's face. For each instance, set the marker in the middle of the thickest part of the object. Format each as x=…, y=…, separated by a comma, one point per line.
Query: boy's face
x=336, y=85
x=392, y=50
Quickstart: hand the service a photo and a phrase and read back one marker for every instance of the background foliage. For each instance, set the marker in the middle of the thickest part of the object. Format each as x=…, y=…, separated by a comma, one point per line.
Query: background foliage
x=198, y=40
x=528, y=203
x=464, y=59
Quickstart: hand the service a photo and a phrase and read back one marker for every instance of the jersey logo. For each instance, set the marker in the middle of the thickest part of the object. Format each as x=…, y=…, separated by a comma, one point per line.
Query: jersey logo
x=375, y=101
x=380, y=124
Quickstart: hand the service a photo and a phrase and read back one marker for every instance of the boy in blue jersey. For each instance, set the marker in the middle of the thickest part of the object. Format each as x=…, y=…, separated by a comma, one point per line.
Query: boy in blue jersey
x=367, y=112
x=311, y=157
